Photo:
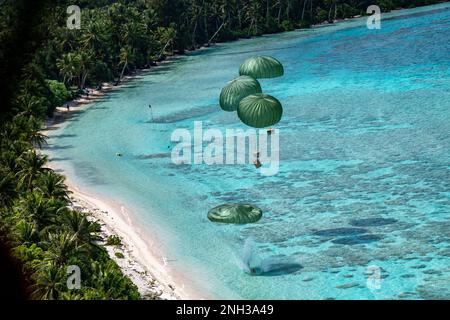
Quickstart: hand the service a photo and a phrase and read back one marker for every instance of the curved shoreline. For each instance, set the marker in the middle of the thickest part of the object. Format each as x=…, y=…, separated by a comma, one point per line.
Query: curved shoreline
x=141, y=257
x=143, y=263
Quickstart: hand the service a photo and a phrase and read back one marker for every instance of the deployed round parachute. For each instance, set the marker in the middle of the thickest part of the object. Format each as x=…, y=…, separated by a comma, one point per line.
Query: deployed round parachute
x=235, y=213
x=260, y=110
x=236, y=90
x=262, y=67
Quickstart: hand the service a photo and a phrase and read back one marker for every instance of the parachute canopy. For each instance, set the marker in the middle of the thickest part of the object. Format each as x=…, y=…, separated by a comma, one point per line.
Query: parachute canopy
x=235, y=213
x=236, y=90
x=262, y=67
x=260, y=110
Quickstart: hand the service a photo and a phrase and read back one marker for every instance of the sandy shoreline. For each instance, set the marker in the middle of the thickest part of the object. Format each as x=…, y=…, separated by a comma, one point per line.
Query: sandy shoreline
x=142, y=262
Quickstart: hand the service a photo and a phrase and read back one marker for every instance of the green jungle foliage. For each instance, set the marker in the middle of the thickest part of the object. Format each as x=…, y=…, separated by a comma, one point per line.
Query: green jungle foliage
x=44, y=64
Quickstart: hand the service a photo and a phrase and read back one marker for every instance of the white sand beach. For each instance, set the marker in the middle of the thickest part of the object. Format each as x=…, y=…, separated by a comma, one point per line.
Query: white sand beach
x=142, y=262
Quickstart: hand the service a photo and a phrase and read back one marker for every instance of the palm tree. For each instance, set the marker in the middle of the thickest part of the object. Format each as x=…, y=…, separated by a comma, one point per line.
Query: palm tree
x=15, y=149
x=196, y=11
x=9, y=155
x=220, y=14
x=68, y=67
x=108, y=277
x=305, y=2
x=70, y=295
x=7, y=188
x=31, y=165
x=166, y=37
x=27, y=232
x=268, y=6
x=253, y=15
x=331, y=4
x=28, y=104
x=75, y=66
x=49, y=282
x=126, y=57
x=28, y=128
x=85, y=231
x=84, y=59
x=35, y=208
x=133, y=34
x=112, y=280
x=94, y=35
x=36, y=137
x=62, y=246
x=52, y=185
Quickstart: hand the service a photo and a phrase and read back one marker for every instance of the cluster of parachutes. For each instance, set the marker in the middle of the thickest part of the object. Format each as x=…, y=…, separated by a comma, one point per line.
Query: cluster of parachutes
x=256, y=109
x=244, y=94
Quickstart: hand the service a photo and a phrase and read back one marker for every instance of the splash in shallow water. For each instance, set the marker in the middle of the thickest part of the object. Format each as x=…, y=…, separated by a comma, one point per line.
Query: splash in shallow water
x=252, y=263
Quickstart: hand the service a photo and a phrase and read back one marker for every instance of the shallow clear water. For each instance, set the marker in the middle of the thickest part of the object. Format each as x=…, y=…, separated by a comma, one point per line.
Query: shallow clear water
x=364, y=174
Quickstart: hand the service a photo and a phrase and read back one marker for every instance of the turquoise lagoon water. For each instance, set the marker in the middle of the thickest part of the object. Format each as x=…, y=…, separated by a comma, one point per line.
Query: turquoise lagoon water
x=364, y=174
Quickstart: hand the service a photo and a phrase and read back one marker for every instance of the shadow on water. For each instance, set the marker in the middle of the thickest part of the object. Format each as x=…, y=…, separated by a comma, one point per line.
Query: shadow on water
x=73, y=113
x=372, y=222
x=64, y=135
x=351, y=236
x=272, y=269
x=162, y=69
x=340, y=232
x=154, y=156
x=56, y=159
x=96, y=100
x=186, y=114
x=58, y=147
x=70, y=117
x=99, y=108
x=253, y=50
x=128, y=86
x=359, y=239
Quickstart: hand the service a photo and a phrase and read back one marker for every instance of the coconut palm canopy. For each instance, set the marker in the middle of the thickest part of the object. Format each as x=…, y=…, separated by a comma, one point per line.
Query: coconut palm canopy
x=260, y=110
x=236, y=90
x=262, y=67
x=235, y=213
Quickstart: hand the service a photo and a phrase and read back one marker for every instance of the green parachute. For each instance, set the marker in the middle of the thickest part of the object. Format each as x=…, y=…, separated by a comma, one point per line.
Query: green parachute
x=236, y=90
x=260, y=110
x=235, y=213
x=244, y=95
x=262, y=67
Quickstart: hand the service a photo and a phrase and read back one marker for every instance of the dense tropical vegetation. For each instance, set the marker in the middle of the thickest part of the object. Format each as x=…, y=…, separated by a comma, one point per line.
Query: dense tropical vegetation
x=117, y=37
x=42, y=230
x=44, y=64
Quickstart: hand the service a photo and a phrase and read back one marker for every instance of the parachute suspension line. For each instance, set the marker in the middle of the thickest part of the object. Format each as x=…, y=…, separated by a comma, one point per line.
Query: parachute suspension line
x=151, y=112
